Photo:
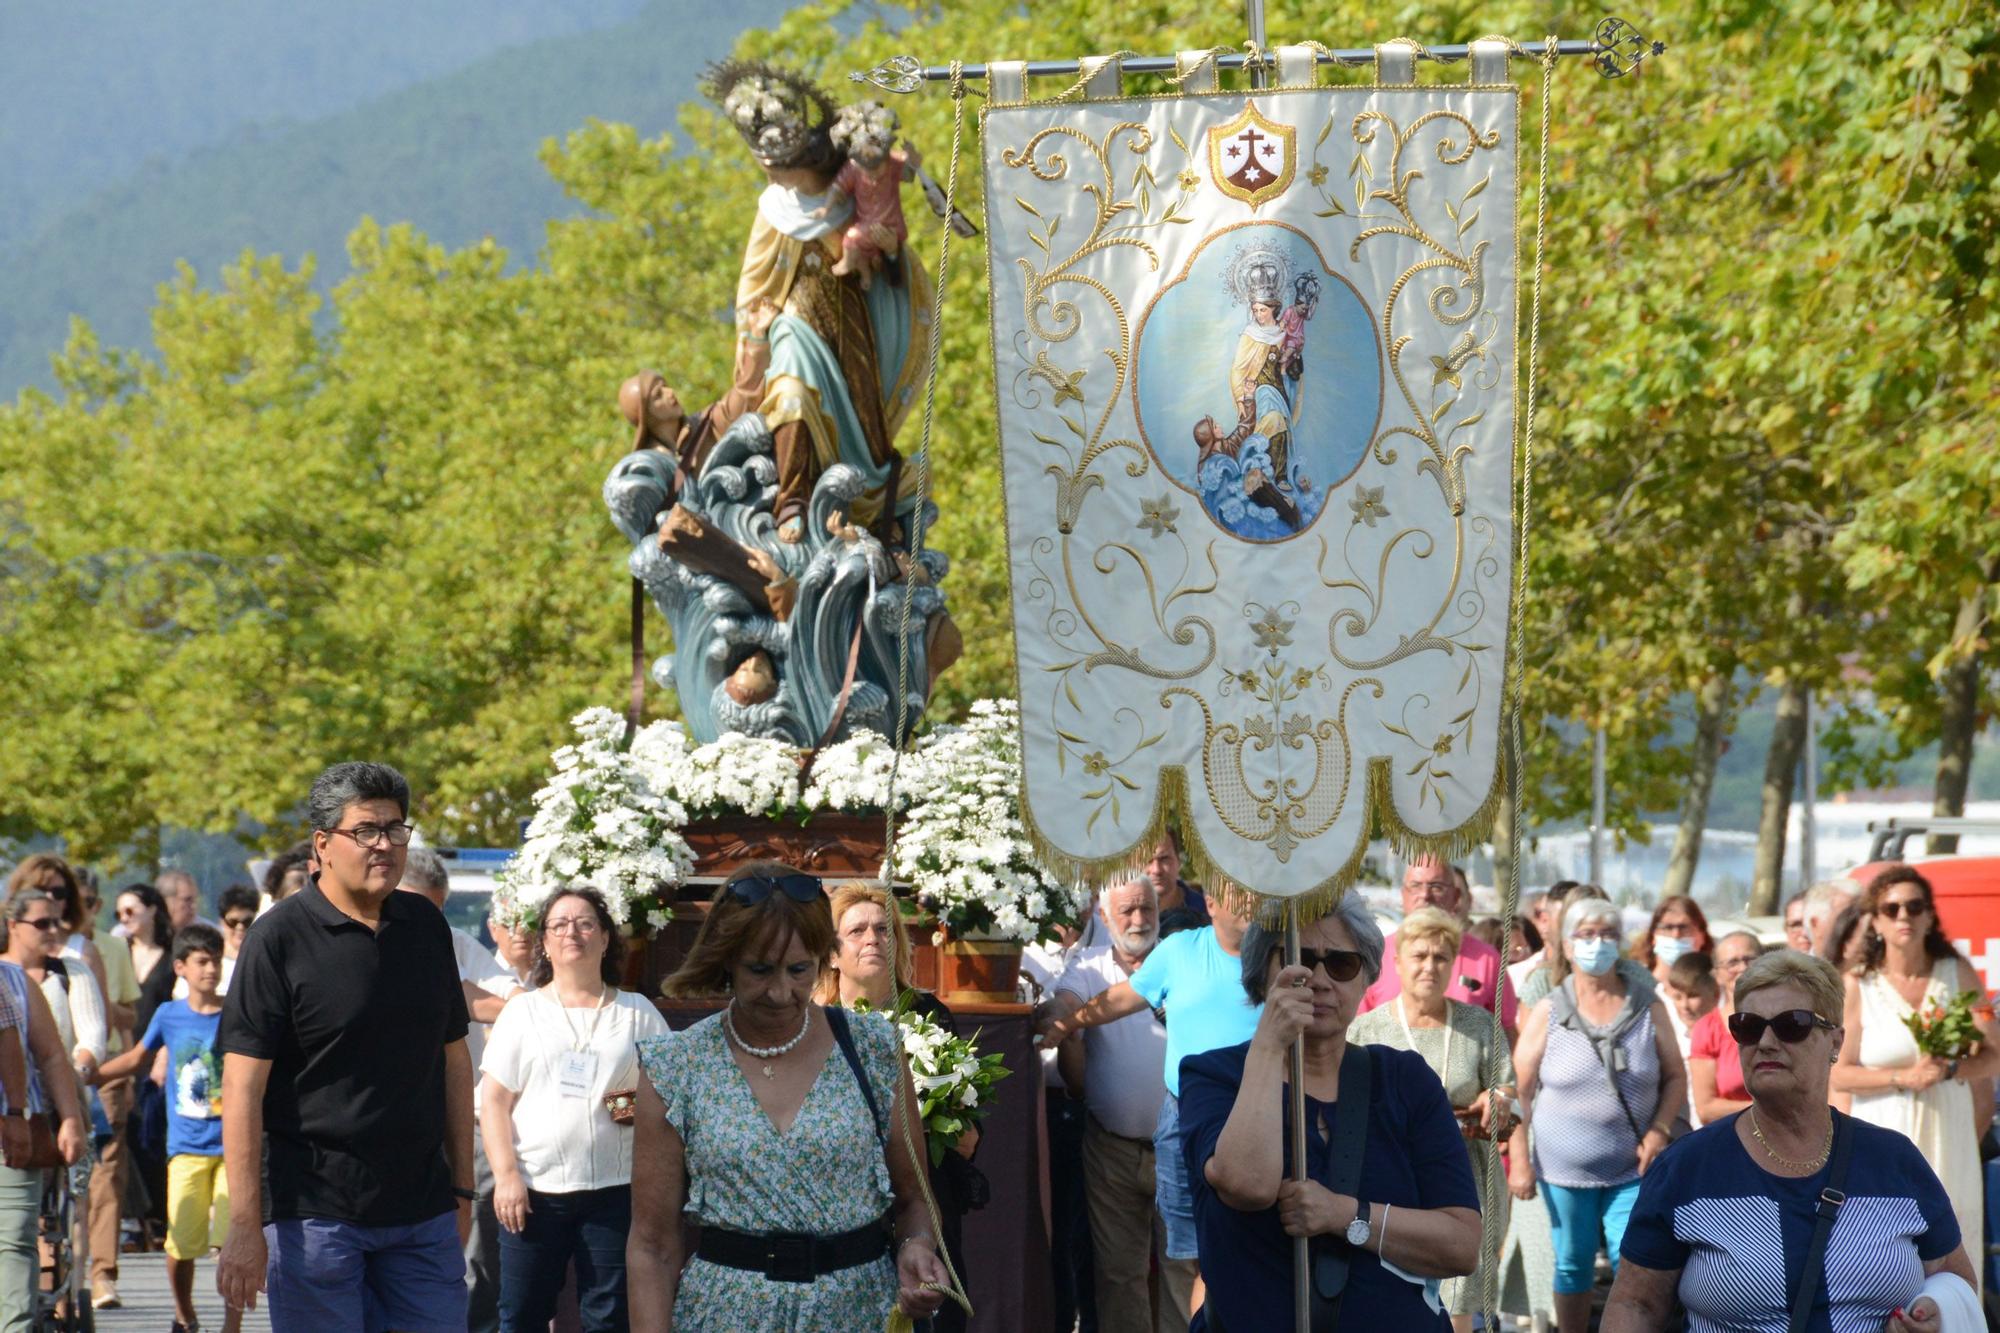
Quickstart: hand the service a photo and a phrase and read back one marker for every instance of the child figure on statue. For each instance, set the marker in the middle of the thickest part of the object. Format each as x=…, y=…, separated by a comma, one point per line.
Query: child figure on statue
x=872, y=177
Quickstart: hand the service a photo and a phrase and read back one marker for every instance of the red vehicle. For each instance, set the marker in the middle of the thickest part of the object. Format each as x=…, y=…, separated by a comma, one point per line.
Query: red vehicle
x=1967, y=888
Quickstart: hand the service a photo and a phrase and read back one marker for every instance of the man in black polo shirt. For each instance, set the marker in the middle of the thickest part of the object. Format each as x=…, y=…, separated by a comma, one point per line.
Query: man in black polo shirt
x=343, y=1040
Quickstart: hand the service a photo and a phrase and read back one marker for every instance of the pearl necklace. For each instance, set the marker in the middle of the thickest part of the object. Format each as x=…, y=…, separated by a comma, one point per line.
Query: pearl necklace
x=765, y=1053
x=1757, y=1131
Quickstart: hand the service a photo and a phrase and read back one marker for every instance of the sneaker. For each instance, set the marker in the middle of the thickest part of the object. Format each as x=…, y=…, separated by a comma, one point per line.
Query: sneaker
x=104, y=1294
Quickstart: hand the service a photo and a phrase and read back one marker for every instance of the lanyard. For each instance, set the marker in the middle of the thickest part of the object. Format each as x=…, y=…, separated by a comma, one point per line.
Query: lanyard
x=1445, y=1076
x=582, y=1043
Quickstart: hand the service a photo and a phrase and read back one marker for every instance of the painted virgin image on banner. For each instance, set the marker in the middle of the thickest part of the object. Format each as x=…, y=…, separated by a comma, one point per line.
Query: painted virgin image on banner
x=1258, y=382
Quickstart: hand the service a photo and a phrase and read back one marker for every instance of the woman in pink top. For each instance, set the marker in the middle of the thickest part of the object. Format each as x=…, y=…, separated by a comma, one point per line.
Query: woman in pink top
x=1715, y=1075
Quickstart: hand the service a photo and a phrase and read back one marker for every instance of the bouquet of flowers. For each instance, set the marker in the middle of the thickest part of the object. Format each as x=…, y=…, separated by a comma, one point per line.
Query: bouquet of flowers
x=954, y=1082
x=1950, y=1031
x=963, y=847
x=599, y=823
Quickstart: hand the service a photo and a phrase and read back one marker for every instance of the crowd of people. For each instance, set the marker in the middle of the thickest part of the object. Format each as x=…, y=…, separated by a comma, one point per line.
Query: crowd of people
x=380, y=1123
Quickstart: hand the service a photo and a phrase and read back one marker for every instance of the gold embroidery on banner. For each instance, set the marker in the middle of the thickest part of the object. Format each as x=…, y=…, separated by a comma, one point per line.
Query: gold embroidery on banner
x=1313, y=743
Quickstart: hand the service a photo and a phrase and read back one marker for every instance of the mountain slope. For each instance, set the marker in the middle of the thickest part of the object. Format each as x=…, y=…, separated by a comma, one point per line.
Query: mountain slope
x=455, y=155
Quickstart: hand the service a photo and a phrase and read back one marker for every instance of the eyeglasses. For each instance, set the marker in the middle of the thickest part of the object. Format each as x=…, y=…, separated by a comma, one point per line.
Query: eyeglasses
x=1584, y=936
x=583, y=927
x=237, y=922
x=1340, y=964
x=43, y=923
x=372, y=835
x=1907, y=907
x=751, y=890
x=1792, y=1026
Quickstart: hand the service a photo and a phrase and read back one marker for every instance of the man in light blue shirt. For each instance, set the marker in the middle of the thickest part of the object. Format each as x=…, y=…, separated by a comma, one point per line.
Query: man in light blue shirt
x=1196, y=979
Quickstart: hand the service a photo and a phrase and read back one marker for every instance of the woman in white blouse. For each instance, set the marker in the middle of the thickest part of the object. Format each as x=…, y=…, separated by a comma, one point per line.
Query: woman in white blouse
x=35, y=934
x=559, y=1058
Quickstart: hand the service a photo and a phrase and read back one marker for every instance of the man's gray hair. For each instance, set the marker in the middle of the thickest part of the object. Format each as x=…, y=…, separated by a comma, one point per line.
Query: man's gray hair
x=1829, y=896
x=1261, y=943
x=344, y=784
x=425, y=869
x=172, y=876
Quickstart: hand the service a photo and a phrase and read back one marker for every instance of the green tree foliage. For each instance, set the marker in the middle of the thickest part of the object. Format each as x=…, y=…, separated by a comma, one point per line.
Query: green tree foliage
x=1765, y=425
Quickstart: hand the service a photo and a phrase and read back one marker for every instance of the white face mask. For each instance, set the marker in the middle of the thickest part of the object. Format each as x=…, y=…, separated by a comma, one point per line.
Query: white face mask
x=1593, y=957
x=1670, y=949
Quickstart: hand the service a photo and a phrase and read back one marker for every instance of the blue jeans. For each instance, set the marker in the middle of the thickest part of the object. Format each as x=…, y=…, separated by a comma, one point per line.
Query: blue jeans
x=589, y=1227
x=1579, y=1221
x=1171, y=1194
x=325, y=1275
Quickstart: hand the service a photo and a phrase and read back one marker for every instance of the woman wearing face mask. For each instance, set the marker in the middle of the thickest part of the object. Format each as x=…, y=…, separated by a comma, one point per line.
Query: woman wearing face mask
x=1601, y=1082
x=1678, y=928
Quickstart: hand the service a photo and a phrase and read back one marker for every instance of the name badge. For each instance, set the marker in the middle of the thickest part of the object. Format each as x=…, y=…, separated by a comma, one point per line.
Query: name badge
x=575, y=1072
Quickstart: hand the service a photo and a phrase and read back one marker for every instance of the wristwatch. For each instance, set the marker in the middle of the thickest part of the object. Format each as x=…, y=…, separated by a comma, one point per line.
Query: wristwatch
x=1358, y=1230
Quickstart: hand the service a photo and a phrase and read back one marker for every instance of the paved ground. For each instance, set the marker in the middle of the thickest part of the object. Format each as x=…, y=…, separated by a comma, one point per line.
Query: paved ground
x=149, y=1303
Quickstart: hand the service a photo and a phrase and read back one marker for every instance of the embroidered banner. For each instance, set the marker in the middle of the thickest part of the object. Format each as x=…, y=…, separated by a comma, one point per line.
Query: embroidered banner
x=1255, y=374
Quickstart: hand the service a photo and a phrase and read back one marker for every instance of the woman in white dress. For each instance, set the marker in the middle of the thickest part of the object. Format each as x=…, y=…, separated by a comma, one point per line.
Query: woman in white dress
x=1908, y=964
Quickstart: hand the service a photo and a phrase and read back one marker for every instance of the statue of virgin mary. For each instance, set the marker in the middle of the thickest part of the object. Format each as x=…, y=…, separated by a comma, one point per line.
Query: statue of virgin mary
x=845, y=363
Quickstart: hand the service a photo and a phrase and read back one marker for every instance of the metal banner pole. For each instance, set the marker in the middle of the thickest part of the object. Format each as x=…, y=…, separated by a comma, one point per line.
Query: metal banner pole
x=1296, y=1095
x=1615, y=48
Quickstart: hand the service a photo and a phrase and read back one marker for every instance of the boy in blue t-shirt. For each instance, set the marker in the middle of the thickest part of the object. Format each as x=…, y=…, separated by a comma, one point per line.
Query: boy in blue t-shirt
x=197, y=1189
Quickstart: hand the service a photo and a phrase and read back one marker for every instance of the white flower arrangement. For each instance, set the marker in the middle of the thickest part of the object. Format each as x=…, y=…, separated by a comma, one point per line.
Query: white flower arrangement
x=962, y=845
x=599, y=824
x=610, y=817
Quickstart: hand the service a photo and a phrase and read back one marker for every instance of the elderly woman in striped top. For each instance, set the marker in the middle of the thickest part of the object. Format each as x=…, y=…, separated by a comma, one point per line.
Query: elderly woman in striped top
x=1601, y=1082
x=1727, y=1224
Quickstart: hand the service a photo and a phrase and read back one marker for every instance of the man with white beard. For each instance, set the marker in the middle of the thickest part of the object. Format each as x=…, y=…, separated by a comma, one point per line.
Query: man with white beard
x=1120, y=1068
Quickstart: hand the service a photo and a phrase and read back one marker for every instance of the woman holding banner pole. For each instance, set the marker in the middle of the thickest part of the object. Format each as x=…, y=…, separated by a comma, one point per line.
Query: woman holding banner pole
x=1388, y=1206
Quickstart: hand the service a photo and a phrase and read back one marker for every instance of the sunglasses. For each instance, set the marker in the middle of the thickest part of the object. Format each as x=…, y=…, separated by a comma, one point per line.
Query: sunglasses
x=45, y=923
x=237, y=922
x=1340, y=964
x=1909, y=907
x=751, y=890
x=1792, y=1026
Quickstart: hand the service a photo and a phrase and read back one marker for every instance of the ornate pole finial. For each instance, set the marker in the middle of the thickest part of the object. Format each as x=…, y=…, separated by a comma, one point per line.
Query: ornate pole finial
x=897, y=74
x=1622, y=48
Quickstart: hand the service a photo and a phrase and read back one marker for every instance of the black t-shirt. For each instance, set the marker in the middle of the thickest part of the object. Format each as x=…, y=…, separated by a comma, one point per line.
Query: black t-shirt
x=354, y=1023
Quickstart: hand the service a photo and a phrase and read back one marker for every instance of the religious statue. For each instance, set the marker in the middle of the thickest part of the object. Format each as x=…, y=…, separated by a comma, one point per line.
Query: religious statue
x=771, y=527
x=846, y=360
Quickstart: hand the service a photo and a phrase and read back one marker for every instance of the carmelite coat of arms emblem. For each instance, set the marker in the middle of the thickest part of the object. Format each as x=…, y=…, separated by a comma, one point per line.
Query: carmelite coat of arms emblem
x=1251, y=158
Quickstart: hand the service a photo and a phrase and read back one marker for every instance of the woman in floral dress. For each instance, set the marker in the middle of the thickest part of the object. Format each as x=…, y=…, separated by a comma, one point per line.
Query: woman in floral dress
x=796, y=1155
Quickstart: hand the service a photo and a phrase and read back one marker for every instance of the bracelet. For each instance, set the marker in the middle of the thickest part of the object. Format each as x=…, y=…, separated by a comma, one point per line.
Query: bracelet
x=918, y=1236
x=466, y=1195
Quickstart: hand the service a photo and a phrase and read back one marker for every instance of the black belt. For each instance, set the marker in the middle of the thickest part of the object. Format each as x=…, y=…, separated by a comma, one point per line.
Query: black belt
x=794, y=1256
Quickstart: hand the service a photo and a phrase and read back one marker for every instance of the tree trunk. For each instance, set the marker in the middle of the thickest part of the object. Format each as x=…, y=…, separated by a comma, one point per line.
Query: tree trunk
x=1958, y=720
x=1711, y=724
x=1781, y=771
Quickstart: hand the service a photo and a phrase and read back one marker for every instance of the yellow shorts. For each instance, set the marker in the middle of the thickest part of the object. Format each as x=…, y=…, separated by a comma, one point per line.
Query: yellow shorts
x=196, y=1189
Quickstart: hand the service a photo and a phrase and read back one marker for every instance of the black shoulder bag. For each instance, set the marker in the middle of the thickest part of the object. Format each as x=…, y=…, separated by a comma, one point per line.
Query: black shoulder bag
x=1812, y=1273
x=836, y=1018
x=1330, y=1254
